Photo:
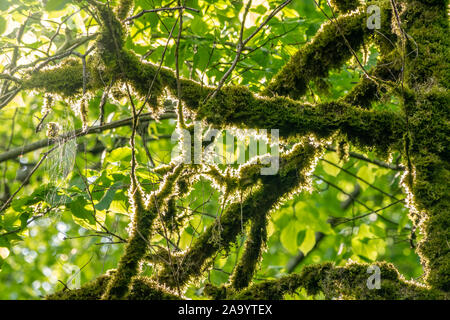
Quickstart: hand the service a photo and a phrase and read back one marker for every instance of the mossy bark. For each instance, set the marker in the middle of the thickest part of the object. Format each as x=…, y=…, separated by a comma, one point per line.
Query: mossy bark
x=418, y=49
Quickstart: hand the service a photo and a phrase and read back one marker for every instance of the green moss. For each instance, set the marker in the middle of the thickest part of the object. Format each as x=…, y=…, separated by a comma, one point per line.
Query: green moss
x=216, y=293
x=172, y=220
x=326, y=51
x=388, y=68
x=426, y=22
x=65, y=79
x=237, y=106
x=344, y=6
x=143, y=217
x=136, y=247
x=143, y=288
x=111, y=39
x=429, y=184
x=246, y=267
x=426, y=104
x=123, y=9
x=348, y=282
x=90, y=291
x=259, y=202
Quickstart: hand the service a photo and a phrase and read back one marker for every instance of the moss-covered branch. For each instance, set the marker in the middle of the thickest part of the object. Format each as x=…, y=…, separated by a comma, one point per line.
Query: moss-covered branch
x=254, y=245
x=237, y=106
x=325, y=52
x=292, y=175
x=344, y=6
x=334, y=44
x=141, y=288
x=92, y=290
x=347, y=282
x=367, y=91
x=427, y=109
x=144, y=213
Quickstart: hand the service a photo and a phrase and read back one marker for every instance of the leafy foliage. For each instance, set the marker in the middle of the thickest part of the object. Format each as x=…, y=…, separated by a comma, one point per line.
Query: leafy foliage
x=354, y=209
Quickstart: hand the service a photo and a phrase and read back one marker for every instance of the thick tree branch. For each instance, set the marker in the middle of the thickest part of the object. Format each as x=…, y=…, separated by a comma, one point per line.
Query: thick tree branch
x=347, y=282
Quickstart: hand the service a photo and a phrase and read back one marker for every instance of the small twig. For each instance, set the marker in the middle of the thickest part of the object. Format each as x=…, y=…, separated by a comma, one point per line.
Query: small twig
x=241, y=44
x=14, y=153
x=140, y=14
x=359, y=178
x=27, y=179
x=373, y=161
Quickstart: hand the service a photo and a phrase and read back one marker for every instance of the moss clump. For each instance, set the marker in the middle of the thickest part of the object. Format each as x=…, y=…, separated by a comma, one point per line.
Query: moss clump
x=144, y=213
x=216, y=293
x=65, y=79
x=388, y=68
x=344, y=6
x=237, y=106
x=135, y=249
x=172, y=220
x=426, y=22
x=326, y=51
x=124, y=8
x=429, y=183
x=253, y=250
x=348, y=282
x=142, y=288
x=90, y=291
x=192, y=93
x=111, y=39
x=426, y=104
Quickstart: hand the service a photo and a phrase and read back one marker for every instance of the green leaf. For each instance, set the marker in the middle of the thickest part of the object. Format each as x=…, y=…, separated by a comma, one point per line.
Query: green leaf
x=288, y=238
x=2, y=25
x=105, y=202
x=56, y=5
x=329, y=168
x=119, y=206
x=78, y=209
x=120, y=156
x=4, y=5
x=366, y=174
x=308, y=242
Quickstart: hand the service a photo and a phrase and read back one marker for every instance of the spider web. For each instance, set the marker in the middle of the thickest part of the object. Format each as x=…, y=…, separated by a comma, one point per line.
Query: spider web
x=60, y=162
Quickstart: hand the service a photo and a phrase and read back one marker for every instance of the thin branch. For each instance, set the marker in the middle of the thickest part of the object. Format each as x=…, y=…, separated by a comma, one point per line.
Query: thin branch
x=358, y=201
x=241, y=44
x=359, y=178
x=27, y=179
x=373, y=161
x=140, y=14
x=14, y=153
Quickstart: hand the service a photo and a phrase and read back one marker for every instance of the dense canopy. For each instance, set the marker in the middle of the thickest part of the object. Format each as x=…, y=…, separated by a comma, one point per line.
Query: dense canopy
x=98, y=100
